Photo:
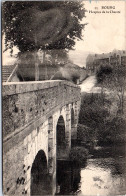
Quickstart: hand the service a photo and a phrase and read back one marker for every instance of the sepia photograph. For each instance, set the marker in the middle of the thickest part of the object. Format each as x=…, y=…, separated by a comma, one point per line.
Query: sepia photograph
x=63, y=97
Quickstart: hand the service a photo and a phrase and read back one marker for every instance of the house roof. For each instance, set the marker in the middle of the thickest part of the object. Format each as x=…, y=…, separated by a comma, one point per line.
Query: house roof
x=92, y=57
x=6, y=72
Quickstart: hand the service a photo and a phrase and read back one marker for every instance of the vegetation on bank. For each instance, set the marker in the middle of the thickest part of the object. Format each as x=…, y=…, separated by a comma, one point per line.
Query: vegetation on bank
x=104, y=113
x=78, y=155
x=86, y=137
x=102, y=116
x=102, y=73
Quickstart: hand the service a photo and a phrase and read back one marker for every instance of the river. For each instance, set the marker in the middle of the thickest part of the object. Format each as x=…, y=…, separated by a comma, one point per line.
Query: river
x=89, y=85
x=103, y=174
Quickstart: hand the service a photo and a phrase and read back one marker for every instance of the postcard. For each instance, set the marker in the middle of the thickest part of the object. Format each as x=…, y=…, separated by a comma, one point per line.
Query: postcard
x=64, y=97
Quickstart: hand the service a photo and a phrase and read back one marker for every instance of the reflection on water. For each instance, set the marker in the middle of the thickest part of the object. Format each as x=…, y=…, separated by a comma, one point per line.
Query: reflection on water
x=68, y=178
x=103, y=175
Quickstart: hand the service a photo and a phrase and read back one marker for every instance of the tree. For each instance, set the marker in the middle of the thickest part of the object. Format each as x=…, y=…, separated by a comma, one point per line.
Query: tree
x=45, y=25
x=115, y=83
x=37, y=25
x=58, y=56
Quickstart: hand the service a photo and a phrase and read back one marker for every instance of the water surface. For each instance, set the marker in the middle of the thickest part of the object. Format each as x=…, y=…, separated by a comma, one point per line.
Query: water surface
x=103, y=174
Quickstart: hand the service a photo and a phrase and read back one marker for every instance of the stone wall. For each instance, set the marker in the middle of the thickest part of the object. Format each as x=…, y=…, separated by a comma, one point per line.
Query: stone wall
x=25, y=103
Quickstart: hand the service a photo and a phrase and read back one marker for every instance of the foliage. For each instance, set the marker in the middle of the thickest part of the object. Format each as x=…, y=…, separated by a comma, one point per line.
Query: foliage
x=116, y=84
x=58, y=56
x=96, y=114
x=94, y=110
x=115, y=132
x=105, y=113
x=103, y=72
x=79, y=155
x=86, y=136
x=33, y=25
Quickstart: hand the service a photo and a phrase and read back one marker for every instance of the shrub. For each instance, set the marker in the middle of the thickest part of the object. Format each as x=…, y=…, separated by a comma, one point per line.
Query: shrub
x=98, y=120
x=102, y=72
x=93, y=111
x=79, y=155
x=115, y=132
x=86, y=136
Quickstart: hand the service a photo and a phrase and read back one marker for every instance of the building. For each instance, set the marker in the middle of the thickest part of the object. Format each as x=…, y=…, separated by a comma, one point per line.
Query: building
x=10, y=73
x=112, y=59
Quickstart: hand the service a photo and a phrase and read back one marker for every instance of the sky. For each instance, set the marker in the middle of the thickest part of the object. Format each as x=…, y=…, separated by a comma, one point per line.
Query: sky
x=104, y=32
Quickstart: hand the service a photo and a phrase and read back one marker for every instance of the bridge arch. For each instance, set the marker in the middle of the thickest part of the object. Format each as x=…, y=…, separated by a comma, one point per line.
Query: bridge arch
x=60, y=134
x=39, y=175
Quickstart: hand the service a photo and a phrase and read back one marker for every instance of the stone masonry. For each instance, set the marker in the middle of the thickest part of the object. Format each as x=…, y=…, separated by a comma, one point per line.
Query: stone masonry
x=30, y=114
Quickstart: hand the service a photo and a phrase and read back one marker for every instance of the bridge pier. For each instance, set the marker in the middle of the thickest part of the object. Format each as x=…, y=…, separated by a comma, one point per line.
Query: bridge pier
x=51, y=156
x=74, y=119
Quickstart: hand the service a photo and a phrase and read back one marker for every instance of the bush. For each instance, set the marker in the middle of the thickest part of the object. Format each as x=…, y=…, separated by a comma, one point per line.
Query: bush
x=98, y=122
x=93, y=111
x=86, y=136
x=79, y=155
x=115, y=132
x=102, y=72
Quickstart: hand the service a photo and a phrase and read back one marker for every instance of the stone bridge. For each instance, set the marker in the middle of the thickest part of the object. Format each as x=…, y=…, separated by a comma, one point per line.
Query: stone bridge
x=39, y=121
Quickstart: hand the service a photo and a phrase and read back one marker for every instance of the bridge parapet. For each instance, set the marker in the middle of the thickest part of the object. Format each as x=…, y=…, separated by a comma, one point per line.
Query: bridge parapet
x=27, y=102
